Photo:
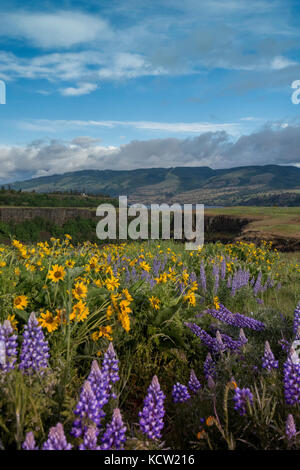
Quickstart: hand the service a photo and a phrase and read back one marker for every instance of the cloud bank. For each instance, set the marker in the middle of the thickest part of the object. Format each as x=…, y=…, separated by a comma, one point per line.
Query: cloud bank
x=272, y=144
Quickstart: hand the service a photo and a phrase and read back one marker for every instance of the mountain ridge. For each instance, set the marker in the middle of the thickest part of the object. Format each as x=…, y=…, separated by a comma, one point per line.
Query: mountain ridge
x=233, y=186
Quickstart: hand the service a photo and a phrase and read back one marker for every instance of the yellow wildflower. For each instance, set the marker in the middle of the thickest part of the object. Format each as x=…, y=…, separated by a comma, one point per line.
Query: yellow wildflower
x=20, y=302
x=57, y=273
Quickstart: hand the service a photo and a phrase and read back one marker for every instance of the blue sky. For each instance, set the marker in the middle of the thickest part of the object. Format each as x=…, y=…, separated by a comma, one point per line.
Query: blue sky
x=140, y=83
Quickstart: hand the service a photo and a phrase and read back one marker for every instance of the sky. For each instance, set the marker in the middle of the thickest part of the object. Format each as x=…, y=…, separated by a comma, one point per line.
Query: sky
x=123, y=84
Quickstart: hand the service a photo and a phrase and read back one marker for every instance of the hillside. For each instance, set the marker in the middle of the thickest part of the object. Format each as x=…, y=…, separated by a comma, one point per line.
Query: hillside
x=247, y=185
x=13, y=198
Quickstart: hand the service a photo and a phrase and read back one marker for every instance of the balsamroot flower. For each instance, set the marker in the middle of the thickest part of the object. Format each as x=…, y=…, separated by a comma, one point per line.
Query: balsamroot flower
x=151, y=417
x=8, y=346
x=291, y=382
x=29, y=443
x=90, y=439
x=297, y=319
x=35, y=349
x=241, y=397
x=114, y=436
x=180, y=393
x=268, y=359
x=57, y=439
x=87, y=410
x=194, y=384
x=290, y=428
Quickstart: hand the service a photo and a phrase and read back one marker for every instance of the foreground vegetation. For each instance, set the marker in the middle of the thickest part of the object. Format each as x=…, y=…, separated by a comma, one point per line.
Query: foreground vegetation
x=109, y=321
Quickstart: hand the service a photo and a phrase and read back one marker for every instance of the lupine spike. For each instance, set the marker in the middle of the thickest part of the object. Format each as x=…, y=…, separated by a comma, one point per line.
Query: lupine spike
x=194, y=384
x=90, y=439
x=151, y=417
x=290, y=427
x=110, y=367
x=35, y=349
x=209, y=367
x=243, y=337
x=180, y=393
x=57, y=439
x=99, y=381
x=8, y=347
x=297, y=319
x=268, y=360
x=235, y=319
x=87, y=410
x=29, y=443
x=241, y=397
x=114, y=436
x=291, y=381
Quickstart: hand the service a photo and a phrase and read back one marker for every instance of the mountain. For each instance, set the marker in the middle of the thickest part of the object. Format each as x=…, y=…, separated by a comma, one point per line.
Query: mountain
x=246, y=185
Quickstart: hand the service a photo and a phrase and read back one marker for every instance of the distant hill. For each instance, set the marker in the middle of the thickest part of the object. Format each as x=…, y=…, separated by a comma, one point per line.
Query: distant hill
x=247, y=185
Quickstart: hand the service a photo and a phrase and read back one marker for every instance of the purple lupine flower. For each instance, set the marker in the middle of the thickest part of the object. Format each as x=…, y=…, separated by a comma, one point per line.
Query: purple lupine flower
x=57, y=439
x=90, y=439
x=110, y=369
x=230, y=343
x=216, y=275
x=34, y=350
x=268, y=359
x=87, y=410
x=151, y=417
x=8, y=347
x=291, y=381
x=180, y=393
x=114, y=436
x=203, y=276
x=296, y=319
x=194, y=384
x=110, y=365
x=192, y=278
x=285, y=345
x=29, y=443
x=235, y=319
x=156, y=266
x=223, y=268
x=209, y=367
x=257, y=286
x=210, y=382
x=100, y=386
x=290, y=428
x=241, y=397
x=208, y=340
x=242, y=337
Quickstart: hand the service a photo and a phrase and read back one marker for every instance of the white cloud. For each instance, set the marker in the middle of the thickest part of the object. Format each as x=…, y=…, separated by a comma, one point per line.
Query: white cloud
x=191, y=38
x=83, y=89
x=176, y=127
x=270, y=145
x=279, y=63
x=60, y=29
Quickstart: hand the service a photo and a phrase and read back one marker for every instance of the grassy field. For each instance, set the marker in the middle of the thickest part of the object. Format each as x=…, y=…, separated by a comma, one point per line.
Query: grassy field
x=266, y=221
x=140, y=345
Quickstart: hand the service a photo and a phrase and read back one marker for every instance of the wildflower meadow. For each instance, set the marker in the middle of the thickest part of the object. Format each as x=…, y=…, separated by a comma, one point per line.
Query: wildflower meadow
x=144, y=346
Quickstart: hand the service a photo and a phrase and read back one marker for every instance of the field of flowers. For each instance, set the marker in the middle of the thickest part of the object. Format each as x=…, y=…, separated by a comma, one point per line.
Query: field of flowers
x=147, y=346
